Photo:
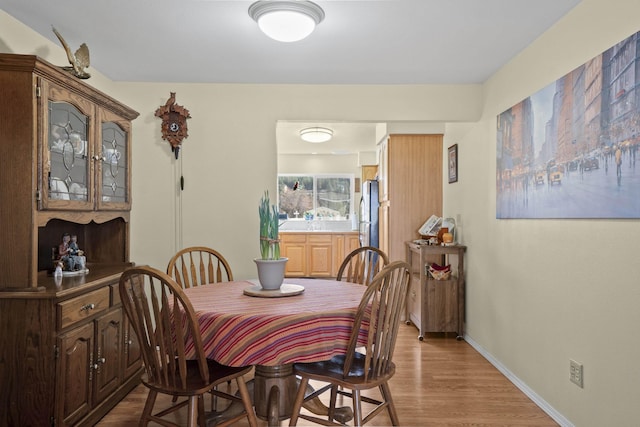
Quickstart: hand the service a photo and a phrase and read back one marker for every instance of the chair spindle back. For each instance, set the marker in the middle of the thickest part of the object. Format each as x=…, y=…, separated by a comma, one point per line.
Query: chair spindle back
x=362, y=264
x=199, y=265
x=379, y=312
x=162, y=318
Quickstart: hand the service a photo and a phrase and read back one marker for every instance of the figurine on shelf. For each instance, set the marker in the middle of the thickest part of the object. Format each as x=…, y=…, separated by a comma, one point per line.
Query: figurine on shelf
x=77, y=253
x=70, y=254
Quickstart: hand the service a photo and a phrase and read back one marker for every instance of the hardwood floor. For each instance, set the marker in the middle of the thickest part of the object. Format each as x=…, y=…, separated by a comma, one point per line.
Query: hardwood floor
x=438, y=382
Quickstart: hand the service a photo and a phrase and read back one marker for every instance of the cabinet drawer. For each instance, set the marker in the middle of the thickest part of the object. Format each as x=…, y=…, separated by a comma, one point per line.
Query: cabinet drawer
x=82, y=307
x=115, y=294
x=319, y=238
x=293, y=238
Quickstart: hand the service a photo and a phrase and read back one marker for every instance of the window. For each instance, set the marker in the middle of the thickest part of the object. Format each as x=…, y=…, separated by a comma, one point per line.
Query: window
x=323, y=196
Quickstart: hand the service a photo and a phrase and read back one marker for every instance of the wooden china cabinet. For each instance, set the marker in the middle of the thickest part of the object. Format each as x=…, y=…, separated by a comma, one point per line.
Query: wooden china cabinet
x=67, y=353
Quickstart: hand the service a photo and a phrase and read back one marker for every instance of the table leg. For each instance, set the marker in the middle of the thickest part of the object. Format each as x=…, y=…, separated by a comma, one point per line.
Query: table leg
x=274, y=389
x=273, y=392
x=282, y=386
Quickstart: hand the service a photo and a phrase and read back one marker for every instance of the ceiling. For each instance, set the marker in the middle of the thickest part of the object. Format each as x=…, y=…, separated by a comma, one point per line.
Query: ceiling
x=348, y=138
x=359, y=42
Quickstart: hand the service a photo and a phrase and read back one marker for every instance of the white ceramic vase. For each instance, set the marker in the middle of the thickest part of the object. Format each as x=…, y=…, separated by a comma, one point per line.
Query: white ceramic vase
x=271, y=272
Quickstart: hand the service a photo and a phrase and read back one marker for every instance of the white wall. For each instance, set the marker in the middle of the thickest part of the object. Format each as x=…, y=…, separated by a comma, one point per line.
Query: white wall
x=539, y=292
x=318, y=164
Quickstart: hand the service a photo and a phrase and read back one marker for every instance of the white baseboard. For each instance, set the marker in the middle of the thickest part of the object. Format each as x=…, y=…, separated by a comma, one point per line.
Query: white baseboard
x=557, y=416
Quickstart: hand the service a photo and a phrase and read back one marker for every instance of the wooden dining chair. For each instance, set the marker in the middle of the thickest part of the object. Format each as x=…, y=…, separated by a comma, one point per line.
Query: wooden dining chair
x=362, y=264
x=378, y=317
x=199, y=265
x=163, y=318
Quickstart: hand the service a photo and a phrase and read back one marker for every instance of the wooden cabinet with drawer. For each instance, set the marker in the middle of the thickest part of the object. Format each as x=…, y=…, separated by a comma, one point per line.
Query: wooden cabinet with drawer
x=66, y=352
x=436, y=305
x=85, y=306
x=309, y=254
x=82, y=357
x=316, y=254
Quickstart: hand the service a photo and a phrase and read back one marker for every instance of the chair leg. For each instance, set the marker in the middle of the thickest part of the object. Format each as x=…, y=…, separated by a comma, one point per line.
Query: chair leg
x=246, y=401
x=297, y=403
x=192, y=414
x=357, y=408
x=148, y=407
x=214, y=398
x=332, y=402
x=391, y=408
x=202, y=421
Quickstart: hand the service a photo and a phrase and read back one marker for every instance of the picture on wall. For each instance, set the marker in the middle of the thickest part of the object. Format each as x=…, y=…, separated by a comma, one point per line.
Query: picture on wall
x=569, y=150
x=453, y=163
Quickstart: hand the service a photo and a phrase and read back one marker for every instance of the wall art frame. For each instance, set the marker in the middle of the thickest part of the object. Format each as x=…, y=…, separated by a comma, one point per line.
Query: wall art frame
x=452, y=162
x=569, y=150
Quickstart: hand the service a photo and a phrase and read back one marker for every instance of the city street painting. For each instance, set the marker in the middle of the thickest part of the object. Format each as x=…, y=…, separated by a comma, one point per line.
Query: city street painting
x=569, y=150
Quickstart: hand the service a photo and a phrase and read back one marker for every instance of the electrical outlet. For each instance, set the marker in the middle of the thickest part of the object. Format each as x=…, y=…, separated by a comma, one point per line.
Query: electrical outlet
x=576, y=373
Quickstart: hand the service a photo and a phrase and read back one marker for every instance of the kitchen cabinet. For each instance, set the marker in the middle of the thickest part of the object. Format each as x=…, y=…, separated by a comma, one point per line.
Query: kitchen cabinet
x=436, y=305
x=294, y=247
x=410, y=177
x=66, y=352
x=352, y=243
x=316, y=254
x=319, y=255
x=343, y=244
x=369, y=172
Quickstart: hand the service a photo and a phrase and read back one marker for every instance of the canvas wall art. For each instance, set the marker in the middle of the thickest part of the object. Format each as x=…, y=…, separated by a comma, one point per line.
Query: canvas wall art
x=569, y=150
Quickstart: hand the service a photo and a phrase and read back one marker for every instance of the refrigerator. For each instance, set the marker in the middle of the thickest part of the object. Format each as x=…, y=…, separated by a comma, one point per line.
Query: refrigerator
x=368, y=225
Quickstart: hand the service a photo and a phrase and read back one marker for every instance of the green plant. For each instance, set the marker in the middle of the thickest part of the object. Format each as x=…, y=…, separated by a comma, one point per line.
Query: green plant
x=269, y=241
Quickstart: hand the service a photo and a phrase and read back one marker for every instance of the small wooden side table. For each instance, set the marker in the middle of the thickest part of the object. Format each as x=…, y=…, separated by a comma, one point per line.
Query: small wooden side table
x=436, y=305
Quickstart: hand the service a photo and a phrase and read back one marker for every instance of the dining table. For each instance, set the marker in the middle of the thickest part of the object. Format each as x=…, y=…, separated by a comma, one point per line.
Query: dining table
x=306, y=320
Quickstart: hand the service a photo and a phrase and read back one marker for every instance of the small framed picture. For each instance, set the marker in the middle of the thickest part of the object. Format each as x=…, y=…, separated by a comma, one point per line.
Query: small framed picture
x=453, y=163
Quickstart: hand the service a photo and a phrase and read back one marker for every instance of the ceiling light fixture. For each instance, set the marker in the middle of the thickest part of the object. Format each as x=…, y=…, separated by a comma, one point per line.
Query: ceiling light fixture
x=316, y=134
x=286, y=21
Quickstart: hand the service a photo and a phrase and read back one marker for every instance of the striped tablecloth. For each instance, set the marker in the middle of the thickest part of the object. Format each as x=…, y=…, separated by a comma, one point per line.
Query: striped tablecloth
x=240, y=330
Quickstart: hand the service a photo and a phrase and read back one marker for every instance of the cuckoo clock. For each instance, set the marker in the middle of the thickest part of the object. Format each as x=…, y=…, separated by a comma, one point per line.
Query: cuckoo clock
x=174, y=122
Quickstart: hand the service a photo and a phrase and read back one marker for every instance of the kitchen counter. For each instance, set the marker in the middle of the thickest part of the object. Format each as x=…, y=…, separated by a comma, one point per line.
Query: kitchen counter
x=316, y=232
x=317, y=225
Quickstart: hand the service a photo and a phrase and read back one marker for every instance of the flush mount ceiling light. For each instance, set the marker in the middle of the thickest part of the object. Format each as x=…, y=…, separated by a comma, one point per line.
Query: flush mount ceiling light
x=286, y=21
x=316, y=134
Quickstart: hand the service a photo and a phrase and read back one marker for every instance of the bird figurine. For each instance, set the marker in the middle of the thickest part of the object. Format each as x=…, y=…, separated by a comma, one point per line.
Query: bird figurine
x=79, y=61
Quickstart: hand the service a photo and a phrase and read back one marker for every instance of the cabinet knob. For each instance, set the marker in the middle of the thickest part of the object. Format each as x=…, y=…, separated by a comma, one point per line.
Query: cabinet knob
x=100, y=361
x=87, y=307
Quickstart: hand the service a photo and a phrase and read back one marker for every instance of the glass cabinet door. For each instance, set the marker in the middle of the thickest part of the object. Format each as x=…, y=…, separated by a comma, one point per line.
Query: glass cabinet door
x=69, y=171
x=114, y=175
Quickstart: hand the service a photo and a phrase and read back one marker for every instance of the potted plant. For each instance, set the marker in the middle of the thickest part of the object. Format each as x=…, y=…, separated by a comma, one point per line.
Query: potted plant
x=270, y=265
